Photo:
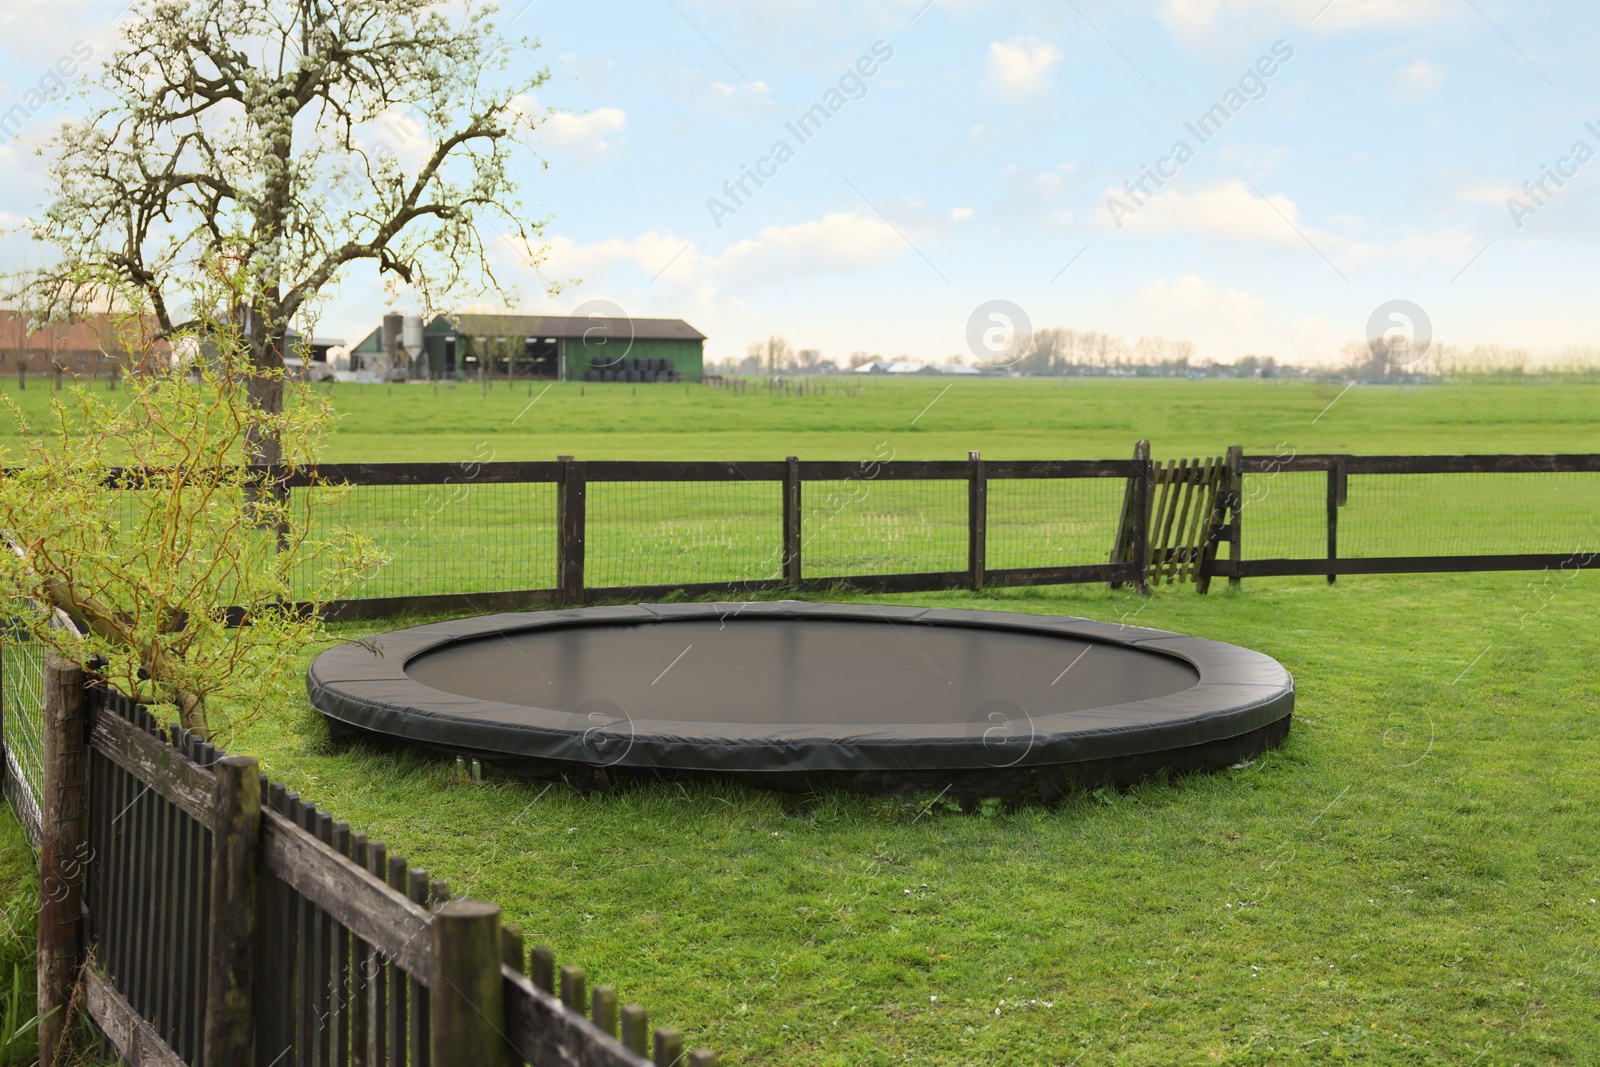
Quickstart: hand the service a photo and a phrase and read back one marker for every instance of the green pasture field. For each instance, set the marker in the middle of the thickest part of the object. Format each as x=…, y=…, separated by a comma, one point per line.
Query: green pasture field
x=1021, y=418
x=1410, y=879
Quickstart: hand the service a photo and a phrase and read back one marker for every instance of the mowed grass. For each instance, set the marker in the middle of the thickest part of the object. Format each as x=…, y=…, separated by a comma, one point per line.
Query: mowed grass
x=1410, y=879
x=933, y=418
x=19, y=913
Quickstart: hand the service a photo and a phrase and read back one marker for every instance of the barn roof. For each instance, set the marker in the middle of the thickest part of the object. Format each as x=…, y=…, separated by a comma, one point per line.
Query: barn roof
x=565, y=326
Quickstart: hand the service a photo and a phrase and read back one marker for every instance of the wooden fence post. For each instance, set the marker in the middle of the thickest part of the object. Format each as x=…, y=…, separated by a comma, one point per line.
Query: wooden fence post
x=63, y=846
x=977, y=520
x=1337, y=483
x=467, y=994
x=1213, y=526
x=791, y=522
x=1236, y=503
x=1143, y=499
x=236, y=837
x=571, y=521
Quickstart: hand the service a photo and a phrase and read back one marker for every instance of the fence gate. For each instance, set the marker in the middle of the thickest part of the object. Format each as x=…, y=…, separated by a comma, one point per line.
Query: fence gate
x=1169, y=517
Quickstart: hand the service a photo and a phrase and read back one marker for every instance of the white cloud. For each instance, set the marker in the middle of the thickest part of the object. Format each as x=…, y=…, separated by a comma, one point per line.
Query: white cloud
x=1203, y=21
x=1231, y=211
x=586, y=137
x=838, y=243
x=960, y=214
x=1035, y=196
x=1022, y=67
x=748, y=103
x=1482, y=192
x=1191, y=295
x=1226, y=209
x=847, y=241
x=1420, y=78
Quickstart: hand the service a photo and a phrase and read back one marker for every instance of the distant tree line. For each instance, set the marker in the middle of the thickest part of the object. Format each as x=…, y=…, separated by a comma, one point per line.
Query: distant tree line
x=1067, y=352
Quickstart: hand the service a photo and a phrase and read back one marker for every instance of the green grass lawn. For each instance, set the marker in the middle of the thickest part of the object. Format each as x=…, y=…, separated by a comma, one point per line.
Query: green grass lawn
x=1026, y=418
x=1409, y=879
x=19, y=907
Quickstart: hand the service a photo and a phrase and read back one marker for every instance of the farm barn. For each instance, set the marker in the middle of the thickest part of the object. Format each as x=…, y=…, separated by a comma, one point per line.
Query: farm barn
x=552, y=347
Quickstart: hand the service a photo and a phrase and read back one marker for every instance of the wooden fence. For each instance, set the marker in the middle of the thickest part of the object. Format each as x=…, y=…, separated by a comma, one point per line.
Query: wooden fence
x=201, y=914
x=572, y=479
x=1233, y=514
x=1176, y=519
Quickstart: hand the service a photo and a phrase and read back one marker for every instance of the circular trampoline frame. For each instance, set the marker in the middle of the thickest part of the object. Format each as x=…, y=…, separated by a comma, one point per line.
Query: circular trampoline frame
x=1240, y=704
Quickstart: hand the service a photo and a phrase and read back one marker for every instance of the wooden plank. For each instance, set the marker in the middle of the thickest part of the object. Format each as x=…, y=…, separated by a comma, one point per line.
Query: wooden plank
x=135, y=1040
x=274, y=924
x=371, y=910
x=229, y=1022
x=467, y=473
x=793, y=541
x=932, y=581
x=1061, y=468
x=1174, y=484
x=571, y=521
x=977, y=519
x=439, y=603
x=1335, y=474
x=669, y=471
x=1194, y=531
x=700, y=590
x=544, y=1032
x=399, y=1010
x=1122, y=541
x=63, y=847
x=166, y=772
x=1088, y=572
x=421, y=1047
x=1264, y=568
x=467, y=1001
x=191, y=838
x=165, y=891
x=377, y=974
x=822, y=470
x=1486, y=464
x=1143, y=486
x=354, y=847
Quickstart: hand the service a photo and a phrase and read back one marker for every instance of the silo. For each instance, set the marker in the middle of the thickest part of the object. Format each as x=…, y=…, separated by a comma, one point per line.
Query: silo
x=393, y=358
x=416, y=354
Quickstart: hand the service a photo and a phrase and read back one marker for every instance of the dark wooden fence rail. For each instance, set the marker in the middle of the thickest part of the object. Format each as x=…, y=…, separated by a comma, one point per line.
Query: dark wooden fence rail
x=213, y=917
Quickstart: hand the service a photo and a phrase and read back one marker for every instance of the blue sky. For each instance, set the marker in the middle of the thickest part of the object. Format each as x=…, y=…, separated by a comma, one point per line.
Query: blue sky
x=977, y=161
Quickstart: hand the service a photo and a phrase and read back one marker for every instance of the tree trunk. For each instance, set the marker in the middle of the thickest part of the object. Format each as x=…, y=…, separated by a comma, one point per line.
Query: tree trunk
x=266, y=392
x=261, y=443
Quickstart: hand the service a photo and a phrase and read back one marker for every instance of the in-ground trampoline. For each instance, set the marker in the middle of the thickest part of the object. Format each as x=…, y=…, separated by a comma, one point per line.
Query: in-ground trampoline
x=800, y=695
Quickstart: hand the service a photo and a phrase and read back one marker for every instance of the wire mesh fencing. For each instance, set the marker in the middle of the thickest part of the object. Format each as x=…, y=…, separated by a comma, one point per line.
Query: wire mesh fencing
x=1052, y=522
x=682, y=533
x=1284, y=515
x=863, y=526
x=22, y=725
x=1470, y=514
x=456, y=537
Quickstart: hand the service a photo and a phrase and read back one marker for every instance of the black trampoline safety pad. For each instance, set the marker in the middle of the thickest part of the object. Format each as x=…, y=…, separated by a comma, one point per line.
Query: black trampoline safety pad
x=797, y=695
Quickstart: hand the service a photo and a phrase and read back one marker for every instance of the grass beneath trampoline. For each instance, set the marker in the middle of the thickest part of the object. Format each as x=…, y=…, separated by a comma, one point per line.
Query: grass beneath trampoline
x=1409, y=879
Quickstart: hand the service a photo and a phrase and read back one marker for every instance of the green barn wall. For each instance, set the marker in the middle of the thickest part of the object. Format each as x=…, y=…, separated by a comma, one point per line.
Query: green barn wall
x=688, y=357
